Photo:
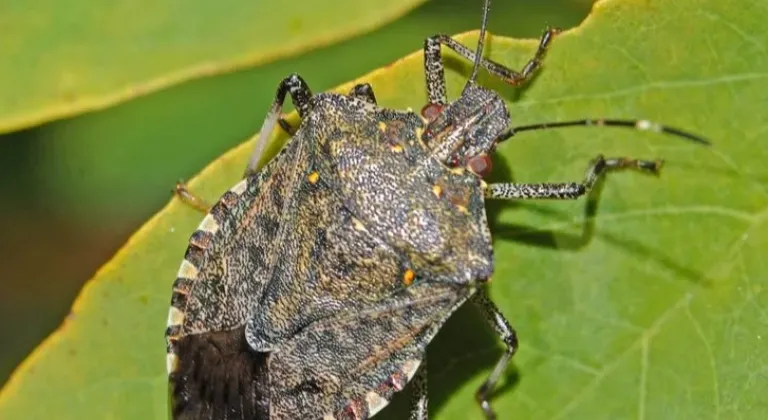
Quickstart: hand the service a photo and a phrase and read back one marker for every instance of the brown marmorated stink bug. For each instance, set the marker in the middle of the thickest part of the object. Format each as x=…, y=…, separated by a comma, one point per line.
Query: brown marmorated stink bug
x=313, y=286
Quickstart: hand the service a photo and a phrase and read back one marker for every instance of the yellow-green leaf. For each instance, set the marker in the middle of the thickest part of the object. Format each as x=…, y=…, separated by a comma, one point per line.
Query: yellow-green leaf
x=65, y=58
x=657, y=311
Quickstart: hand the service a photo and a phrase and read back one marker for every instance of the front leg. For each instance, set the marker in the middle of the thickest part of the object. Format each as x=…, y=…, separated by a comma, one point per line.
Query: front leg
x=571, y=190
x=435, y=72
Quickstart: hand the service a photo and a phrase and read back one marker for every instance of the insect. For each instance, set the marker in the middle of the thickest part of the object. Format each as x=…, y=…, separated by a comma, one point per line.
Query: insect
x=313, y=286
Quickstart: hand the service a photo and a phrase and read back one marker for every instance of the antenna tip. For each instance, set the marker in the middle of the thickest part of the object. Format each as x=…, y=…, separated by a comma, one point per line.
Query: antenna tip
x=645, y=125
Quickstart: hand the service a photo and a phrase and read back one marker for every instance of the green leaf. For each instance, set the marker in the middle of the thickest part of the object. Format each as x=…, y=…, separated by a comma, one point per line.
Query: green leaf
x=65, y=58
x=659, y=311
x=175, y=132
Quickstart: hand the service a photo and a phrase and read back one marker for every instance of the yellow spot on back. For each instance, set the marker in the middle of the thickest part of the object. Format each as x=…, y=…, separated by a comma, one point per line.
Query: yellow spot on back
x=397, y=148
x=419, y=132
x=437, y=190
x=457, y=170
x=313, y=177
x=462, y=209
x=382, y=126
x=408, y=277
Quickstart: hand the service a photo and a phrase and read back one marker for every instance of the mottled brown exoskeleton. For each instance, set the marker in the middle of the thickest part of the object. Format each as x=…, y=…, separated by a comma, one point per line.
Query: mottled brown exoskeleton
x=313, y=286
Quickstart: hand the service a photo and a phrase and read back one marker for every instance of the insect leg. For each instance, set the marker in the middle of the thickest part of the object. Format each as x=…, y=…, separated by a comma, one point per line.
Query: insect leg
x=286, y=126
x=300, y=95
x=507, y=334
x=419, y=398
x=363, y=91
x=435, y=73
x=571, y=190
x=191, y=199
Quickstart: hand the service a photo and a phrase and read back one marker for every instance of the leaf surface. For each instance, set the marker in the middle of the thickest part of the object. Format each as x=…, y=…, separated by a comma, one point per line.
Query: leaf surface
x=657, y=310
x=65, y=58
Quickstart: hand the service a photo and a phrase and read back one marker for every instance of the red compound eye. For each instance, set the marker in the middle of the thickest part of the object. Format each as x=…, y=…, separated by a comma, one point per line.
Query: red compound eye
x=431, y=111
x=480, y=165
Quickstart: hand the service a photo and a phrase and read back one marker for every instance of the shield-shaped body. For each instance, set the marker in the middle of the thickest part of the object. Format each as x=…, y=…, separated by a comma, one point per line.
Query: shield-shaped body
x=312, y=288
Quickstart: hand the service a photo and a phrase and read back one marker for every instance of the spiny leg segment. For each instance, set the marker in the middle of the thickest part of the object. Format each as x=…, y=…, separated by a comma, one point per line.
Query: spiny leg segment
x=507, y=334
x=362, y=91
x=419, y=396
x=597, y=169
x=435, y=71
x=286, y=126
x=300, y=95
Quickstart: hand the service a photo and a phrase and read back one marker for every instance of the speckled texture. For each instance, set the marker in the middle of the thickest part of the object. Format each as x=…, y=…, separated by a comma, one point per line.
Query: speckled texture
x=310, y=255
x=313, y=287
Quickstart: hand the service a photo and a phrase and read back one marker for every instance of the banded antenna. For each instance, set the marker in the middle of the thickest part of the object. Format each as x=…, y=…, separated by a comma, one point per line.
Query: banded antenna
x=641, y=125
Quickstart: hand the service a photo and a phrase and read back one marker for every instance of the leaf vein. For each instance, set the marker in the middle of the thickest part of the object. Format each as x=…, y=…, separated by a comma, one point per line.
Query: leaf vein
x=710, y=355
x=649, y=333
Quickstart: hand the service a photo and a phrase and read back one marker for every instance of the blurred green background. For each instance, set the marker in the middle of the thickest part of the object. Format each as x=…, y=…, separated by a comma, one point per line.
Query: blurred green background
x=74, y=190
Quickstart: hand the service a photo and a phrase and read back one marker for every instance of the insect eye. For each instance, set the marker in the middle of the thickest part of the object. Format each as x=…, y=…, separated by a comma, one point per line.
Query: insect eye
x=480, y=165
